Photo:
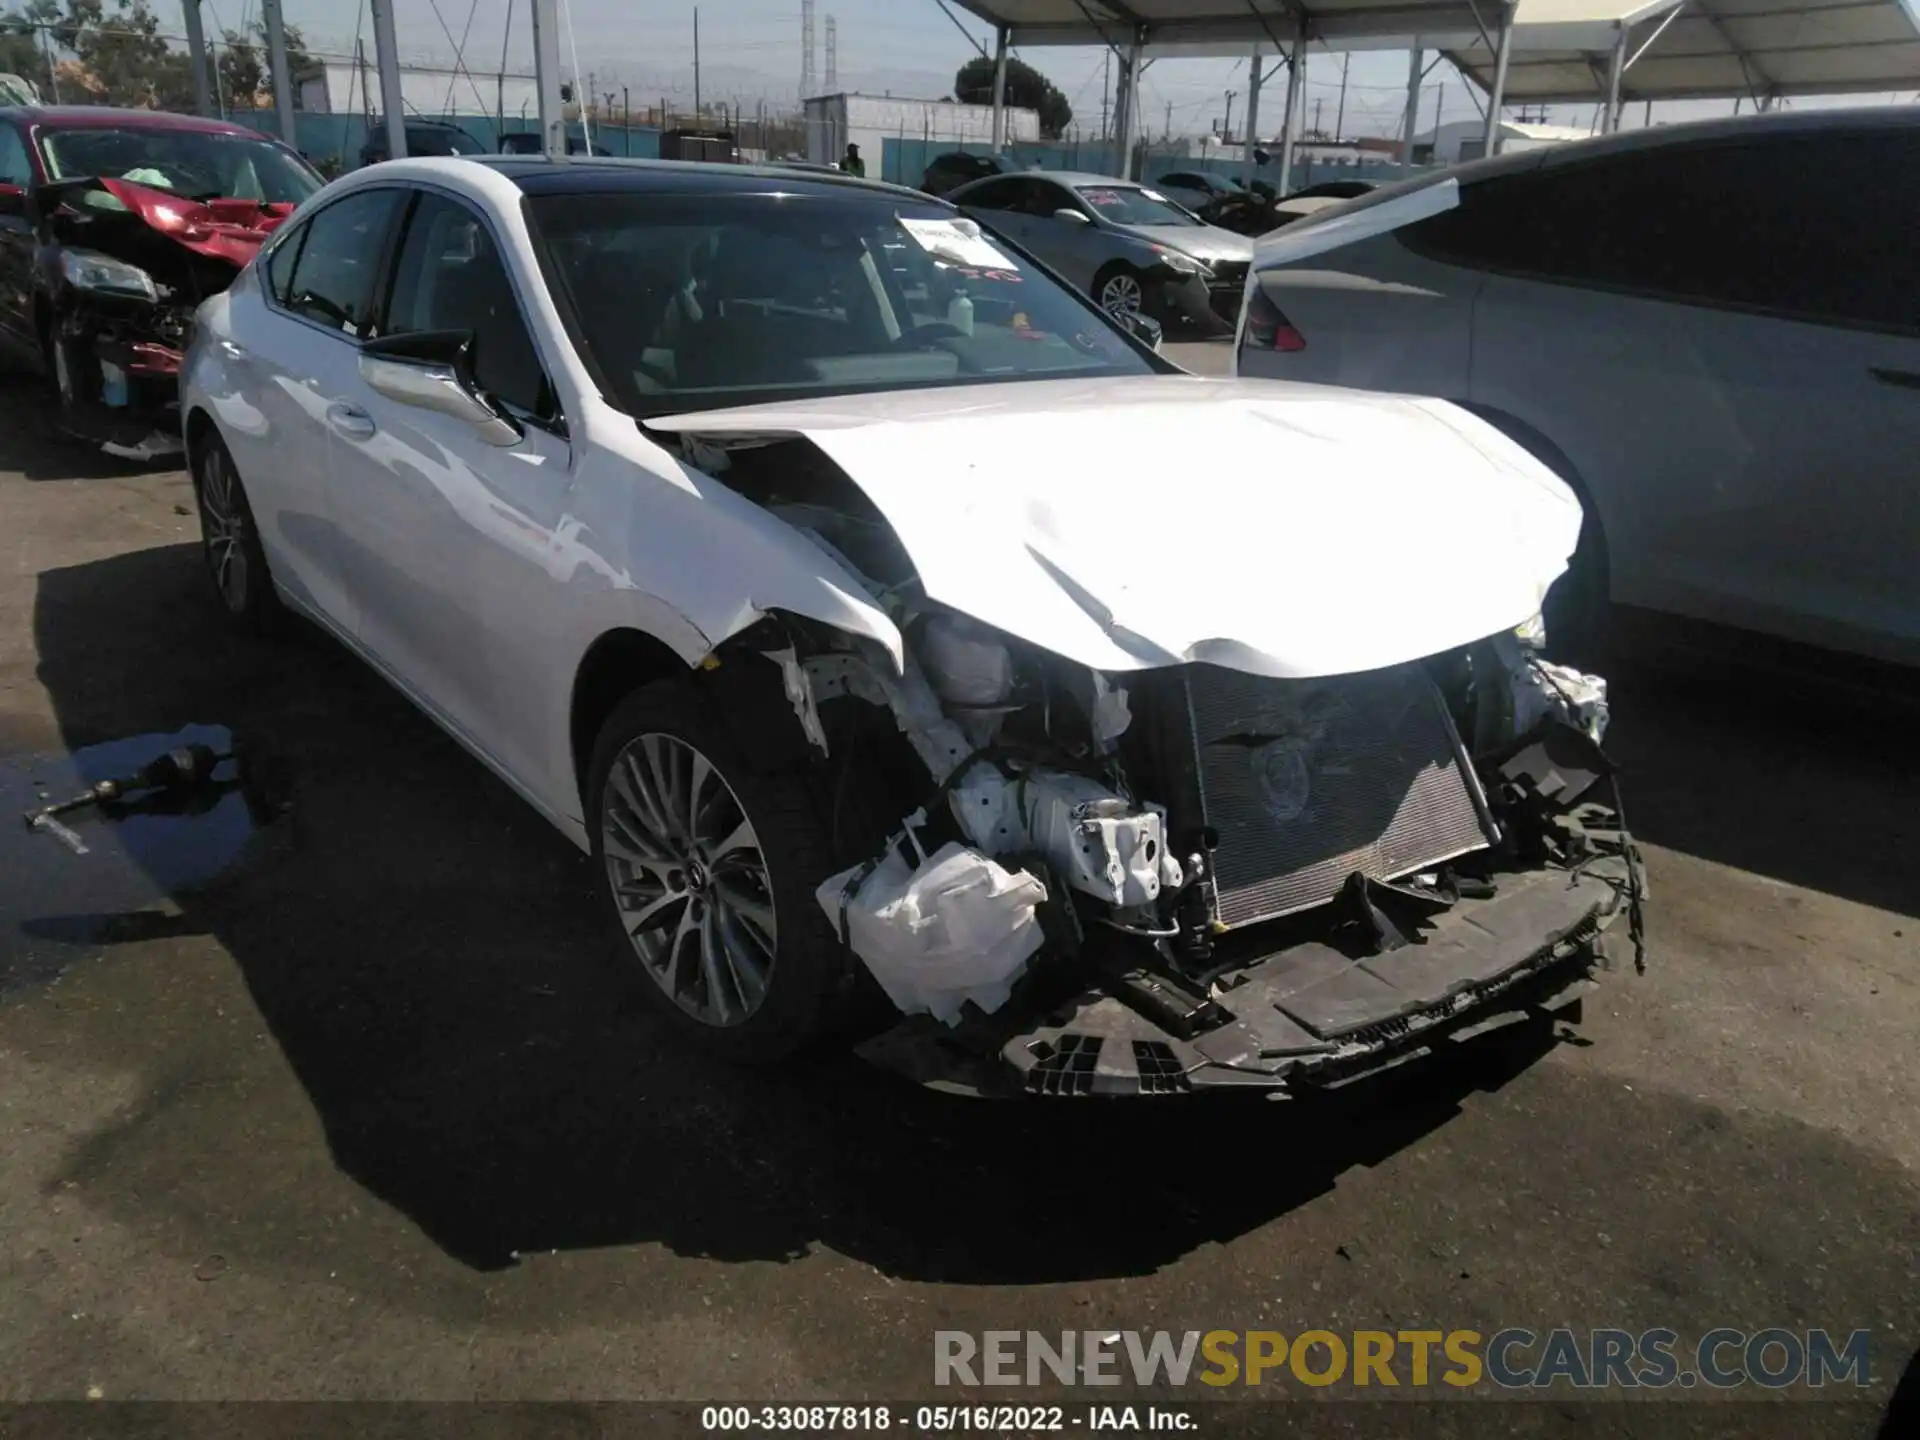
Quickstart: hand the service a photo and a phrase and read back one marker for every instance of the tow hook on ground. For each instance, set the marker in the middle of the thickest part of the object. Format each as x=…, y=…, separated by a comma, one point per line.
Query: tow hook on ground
x=178, y=772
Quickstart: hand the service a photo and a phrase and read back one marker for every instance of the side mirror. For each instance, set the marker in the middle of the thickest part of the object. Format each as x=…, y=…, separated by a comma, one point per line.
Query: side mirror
x=1147, y=330
x=433, y=370
x=1072, y=217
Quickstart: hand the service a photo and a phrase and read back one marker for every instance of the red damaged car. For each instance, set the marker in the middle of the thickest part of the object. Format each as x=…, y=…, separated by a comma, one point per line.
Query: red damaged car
x=114, y=226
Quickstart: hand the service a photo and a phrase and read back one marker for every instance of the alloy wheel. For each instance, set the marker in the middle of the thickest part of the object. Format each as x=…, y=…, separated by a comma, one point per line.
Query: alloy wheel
x=223, y=523
x=1120, y=297
x=689, y=879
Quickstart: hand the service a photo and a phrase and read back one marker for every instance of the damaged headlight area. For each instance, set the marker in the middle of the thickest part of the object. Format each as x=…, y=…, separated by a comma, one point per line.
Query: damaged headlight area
x=1192, y=877
x=91, y=270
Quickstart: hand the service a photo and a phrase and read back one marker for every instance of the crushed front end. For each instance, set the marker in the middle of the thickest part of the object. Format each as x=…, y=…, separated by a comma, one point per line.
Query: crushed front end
x=1191, y=877
x=124, y=266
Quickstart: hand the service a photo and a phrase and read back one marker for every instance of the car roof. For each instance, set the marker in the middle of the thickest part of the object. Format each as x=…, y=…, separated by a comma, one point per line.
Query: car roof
x=600, y=174
x=1074, y=177
x=111, y=117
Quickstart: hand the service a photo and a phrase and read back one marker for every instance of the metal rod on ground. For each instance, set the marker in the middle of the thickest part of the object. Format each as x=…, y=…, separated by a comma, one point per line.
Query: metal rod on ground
x=1497, y=96
x=1253, y=116
x=386, y=56
x=1410, y=117
x=546, y=78
x=277, y=66
x=196, y=57
x=999, y=89
x=1615, y=72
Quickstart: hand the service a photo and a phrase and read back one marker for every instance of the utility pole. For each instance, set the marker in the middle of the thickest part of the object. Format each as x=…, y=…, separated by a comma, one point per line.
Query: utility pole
x=1166, y=129
x=1340, y=114
x=626, y=120
x=1316, y=116
x=696, y=64
x=277, y=67
x=1226, y=125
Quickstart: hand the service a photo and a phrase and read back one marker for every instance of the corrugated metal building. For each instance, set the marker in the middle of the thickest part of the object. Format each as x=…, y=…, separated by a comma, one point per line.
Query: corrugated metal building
x=340, y=87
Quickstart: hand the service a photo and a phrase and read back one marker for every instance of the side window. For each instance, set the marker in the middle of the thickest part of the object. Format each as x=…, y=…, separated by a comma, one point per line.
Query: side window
x=997, y=195
x=280, y=263
x=1044, y=197
x=333, y=275
x=15, y=167
x=449, y=276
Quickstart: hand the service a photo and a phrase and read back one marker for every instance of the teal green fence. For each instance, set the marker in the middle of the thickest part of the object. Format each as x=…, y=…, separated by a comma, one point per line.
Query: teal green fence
x=903, y=161
x=339, y=138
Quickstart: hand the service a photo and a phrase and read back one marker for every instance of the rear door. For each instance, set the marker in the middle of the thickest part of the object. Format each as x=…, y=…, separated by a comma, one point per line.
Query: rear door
x=16, y=239
x=1725, y=341
x=449, y=537
x=296, y=345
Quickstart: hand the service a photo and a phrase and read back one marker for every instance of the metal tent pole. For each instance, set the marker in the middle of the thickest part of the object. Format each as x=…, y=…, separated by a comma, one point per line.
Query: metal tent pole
x=386, y=56
x=546, y=73
x=999, y=89
x=277, y=66
x=1126, y=103
x=196, y=55
x=1289, y=133
x=1410, y=118
x=1615, y=72
x=1503, y=53
x=1253, y=113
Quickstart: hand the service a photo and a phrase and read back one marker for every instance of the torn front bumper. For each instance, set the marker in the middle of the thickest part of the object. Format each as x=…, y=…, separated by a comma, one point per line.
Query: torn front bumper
x=1303, y=1017
x=117, y=363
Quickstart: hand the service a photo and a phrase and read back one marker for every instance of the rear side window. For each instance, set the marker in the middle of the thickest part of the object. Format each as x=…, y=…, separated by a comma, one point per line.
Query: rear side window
x=1816, y=227
x=333, y=276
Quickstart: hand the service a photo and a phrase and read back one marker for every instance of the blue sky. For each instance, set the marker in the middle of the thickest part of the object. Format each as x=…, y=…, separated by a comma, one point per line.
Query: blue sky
x=750, y=51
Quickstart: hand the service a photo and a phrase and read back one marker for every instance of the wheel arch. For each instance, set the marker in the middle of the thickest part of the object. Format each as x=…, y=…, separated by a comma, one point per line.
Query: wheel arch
x=1542, y=447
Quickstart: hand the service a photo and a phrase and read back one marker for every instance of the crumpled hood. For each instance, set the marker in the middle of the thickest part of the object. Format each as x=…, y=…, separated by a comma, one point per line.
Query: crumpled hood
x=1281, y=529
x=226, y=229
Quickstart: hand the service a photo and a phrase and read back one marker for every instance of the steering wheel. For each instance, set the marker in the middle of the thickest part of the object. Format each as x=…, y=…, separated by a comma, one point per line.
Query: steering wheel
x=925, y=334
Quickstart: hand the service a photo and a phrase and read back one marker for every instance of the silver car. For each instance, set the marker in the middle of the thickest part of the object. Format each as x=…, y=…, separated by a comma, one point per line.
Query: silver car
x=1125, y=244
x=1711, y=331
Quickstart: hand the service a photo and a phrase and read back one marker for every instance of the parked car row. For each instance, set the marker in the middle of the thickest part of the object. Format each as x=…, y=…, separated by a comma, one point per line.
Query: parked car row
x=1710, y=331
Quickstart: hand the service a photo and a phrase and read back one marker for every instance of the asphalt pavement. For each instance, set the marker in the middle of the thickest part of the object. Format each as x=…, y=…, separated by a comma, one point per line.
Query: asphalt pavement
x=322, y=1093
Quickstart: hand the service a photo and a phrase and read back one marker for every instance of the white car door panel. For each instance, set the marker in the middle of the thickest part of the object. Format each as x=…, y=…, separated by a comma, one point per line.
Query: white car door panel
x=297, y=339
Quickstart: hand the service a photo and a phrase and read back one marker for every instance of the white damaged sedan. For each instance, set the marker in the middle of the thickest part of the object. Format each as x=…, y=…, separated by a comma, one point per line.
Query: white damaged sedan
x=849, y=587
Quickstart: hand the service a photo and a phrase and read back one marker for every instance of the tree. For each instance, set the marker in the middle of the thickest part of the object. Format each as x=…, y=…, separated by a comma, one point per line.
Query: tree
x=246, y=79
x=121, y=57
x=1026, y=88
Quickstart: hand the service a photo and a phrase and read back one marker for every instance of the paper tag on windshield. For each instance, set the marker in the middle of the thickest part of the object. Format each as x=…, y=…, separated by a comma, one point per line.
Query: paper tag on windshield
x=959, y=242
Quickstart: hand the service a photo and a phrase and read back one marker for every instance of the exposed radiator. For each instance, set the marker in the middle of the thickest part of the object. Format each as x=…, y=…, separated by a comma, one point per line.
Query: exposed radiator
x=1307, y=781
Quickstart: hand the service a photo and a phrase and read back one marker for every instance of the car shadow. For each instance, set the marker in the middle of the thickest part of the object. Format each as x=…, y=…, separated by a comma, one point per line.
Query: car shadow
x=425, y=952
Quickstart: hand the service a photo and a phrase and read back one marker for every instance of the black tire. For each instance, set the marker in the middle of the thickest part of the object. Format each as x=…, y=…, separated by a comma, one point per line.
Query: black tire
x=230, y=541
x=1118, y=272
x=809, y=991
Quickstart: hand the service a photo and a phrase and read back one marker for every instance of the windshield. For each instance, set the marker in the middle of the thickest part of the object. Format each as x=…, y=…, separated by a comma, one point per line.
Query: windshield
x=1130, y=205
x=682, y=302
x=197, y=163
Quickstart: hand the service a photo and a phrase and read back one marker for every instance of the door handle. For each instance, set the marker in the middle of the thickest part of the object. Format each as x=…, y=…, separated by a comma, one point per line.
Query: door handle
x=351, y=421
x=1905, y=379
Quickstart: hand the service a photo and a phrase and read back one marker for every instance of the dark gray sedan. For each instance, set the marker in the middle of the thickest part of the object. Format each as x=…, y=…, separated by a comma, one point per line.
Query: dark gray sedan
x=1125, y=244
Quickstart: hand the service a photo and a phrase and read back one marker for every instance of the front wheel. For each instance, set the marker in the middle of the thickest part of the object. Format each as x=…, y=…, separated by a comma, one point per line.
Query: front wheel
x=1119, y=291
x=708, y=871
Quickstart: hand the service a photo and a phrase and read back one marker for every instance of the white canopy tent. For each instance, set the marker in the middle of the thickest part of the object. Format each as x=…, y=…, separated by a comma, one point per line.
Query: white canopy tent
x=1538, y=51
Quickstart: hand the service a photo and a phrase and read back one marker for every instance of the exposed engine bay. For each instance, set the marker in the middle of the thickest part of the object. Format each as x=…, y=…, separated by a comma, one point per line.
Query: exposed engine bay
x=126, y=266
x=1188, y=876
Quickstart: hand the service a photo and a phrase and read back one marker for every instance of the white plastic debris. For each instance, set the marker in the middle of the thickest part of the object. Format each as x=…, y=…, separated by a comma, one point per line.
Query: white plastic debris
x=955, y=927
x=966, y=663
x=1540, y=688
